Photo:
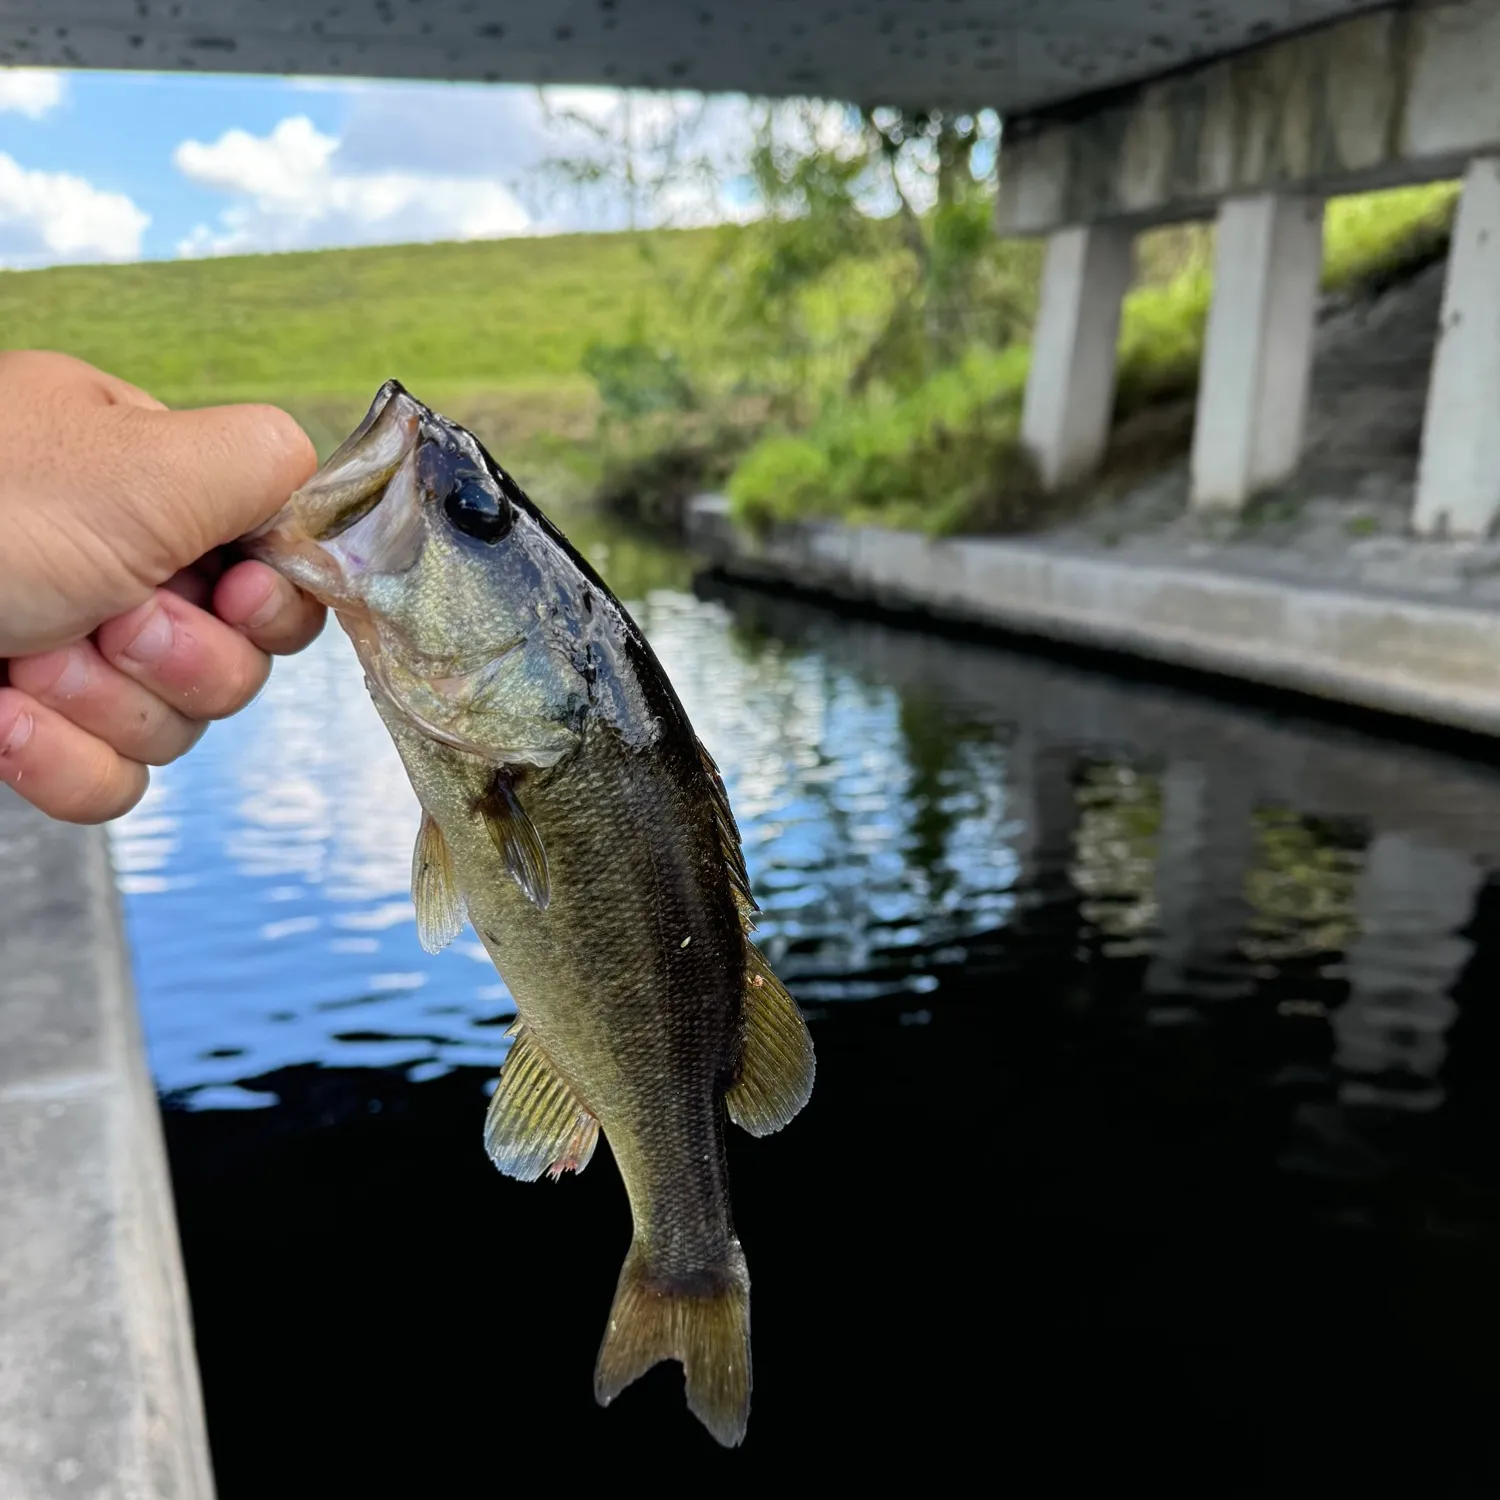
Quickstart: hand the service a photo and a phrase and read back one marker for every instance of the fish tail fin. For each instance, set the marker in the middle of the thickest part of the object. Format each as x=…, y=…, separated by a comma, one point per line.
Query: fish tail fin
x=702, y=1321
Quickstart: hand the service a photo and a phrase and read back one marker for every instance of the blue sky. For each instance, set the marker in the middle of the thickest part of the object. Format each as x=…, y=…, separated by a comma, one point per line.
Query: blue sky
x=118, y=132
x=99, y=166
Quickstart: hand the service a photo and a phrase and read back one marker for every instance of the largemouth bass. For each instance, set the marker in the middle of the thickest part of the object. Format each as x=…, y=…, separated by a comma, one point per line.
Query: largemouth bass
x=570, y=813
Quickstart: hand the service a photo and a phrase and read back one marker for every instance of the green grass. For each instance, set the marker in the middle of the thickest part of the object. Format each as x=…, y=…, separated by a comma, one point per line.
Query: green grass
x=493, y=331
x=947, y=456
x=496, y=333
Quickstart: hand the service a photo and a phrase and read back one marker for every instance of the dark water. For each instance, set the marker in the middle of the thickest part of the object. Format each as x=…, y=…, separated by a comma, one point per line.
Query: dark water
x=1154, y=1141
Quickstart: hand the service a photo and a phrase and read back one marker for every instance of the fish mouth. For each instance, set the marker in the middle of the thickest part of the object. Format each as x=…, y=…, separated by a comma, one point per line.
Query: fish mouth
x=360, y=511
x=349, y=484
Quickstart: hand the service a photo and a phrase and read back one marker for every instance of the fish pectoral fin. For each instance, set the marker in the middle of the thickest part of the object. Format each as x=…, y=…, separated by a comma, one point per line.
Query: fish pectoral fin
x=515, y=836
x=776, y=1063
x=536, y=1123
x=434, y=889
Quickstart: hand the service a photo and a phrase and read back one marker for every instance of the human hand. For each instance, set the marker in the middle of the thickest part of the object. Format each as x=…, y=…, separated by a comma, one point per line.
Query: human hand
x=124, y=628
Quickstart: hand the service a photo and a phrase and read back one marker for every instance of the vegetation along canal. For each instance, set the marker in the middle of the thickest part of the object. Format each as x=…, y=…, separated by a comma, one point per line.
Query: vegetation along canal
x=1154, y=1130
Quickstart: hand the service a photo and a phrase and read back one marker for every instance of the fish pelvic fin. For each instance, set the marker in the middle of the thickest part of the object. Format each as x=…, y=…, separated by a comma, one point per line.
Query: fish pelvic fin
x=536, y=1123
x=434, y=889
x=702, y=1321
x=776, y=1062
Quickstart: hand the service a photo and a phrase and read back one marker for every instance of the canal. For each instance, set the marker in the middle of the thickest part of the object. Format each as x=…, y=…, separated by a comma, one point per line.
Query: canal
x=1155, y=1131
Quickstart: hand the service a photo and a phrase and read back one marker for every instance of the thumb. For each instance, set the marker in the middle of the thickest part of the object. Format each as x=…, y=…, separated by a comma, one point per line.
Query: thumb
x=190, y=481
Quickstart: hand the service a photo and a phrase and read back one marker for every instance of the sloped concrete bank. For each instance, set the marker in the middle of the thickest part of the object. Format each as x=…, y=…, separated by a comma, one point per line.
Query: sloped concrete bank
x=1437, y=661
x=99, y=1392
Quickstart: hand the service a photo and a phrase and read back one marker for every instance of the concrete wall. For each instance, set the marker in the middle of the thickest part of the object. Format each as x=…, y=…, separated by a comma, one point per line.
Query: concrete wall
x=99, y=1391
x=1398, y=655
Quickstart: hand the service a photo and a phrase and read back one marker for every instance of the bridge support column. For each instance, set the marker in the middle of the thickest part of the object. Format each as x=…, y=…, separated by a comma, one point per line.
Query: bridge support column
x=1070, y=389
x=1257, y=358
x=1458, y=482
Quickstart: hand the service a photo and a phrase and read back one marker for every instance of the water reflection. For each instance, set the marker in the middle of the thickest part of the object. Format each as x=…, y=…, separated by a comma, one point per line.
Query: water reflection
x=1309, y=895
x=919, y=816
x=1182, y=1013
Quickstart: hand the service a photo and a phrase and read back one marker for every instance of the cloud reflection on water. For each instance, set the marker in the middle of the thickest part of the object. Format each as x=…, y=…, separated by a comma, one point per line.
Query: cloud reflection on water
x=914, y=814
x=266, y=875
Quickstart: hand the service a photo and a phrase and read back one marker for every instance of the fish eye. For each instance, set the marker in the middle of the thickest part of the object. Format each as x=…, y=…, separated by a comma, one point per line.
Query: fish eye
x=477, y=511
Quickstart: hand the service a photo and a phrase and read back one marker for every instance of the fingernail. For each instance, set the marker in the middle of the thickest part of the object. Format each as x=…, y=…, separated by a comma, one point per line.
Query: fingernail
x=266, y=611
x=71, y=675
x=12, y=740
x=153, y=640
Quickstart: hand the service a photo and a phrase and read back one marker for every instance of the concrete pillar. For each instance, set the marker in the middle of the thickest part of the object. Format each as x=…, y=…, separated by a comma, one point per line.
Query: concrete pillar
x=1204, y=850
x=1458, y=482
x=1413, y=900
x=1070, y=388
x=1257, y=359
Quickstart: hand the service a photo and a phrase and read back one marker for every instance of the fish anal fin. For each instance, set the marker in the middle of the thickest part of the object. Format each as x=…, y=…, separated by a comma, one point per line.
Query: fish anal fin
x=434, y=889
x=514, y=834
x=536, y=1123
x=776, y=1062
x=702, y=1321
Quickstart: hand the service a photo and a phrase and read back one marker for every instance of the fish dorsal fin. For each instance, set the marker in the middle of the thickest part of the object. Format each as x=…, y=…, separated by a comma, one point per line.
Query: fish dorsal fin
x=729, y=840
x=515, y=836
x=535, y=1122
x=434, y=889
x=776, y=1063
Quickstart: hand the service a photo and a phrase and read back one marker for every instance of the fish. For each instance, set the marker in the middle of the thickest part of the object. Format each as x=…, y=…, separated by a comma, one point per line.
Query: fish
x=571, y=814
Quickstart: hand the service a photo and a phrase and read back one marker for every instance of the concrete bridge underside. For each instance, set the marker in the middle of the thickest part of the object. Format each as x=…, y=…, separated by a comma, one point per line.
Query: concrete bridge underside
x=1011, y=55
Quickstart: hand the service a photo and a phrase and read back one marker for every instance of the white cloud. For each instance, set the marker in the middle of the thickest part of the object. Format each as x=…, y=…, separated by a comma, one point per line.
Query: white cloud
x=53, y=216
x=30, y=91
x=424, y=161
x=292, y=191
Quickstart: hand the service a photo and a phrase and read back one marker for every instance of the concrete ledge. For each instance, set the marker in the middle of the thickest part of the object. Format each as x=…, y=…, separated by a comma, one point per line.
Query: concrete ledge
x=99, y=1391
x=1427, y=661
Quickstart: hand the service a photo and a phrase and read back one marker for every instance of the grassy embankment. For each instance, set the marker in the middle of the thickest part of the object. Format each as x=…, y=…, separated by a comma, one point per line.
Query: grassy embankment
x=496, y=333
x=946, y=456
x=493, y=333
